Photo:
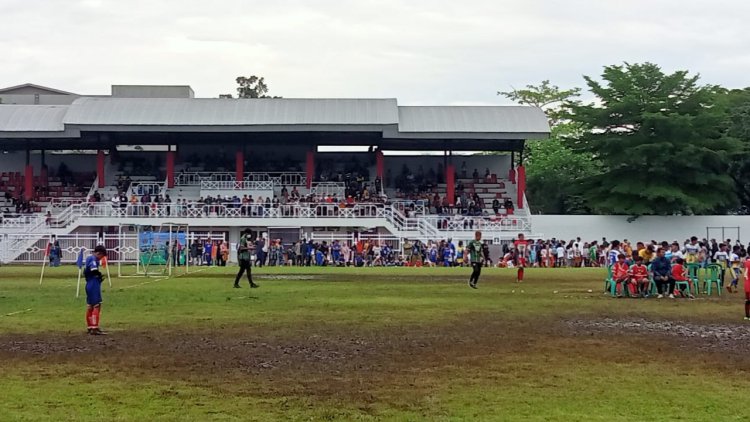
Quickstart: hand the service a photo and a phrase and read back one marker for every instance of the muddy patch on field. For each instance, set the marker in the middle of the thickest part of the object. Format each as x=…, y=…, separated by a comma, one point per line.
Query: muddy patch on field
x=709, y=337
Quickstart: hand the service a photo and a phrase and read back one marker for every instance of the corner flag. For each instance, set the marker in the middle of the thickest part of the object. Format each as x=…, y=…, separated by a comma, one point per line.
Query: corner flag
x=79, y=261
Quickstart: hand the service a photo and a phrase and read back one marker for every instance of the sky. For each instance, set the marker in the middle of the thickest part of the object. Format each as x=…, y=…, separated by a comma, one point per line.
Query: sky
x=422, y=52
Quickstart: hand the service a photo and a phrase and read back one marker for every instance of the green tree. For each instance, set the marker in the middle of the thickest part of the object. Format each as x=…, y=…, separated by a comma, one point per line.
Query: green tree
x=662, y=141
x=553, y=172
x=738, y=126
x=550, y=98
x=553, y=169
x=252, y=87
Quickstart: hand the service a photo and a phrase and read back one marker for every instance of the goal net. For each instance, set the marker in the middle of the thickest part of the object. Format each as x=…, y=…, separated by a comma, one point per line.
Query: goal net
x=153, y=250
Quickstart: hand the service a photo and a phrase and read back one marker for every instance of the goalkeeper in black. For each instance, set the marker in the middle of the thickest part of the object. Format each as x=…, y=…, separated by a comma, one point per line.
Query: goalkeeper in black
x=476, y=256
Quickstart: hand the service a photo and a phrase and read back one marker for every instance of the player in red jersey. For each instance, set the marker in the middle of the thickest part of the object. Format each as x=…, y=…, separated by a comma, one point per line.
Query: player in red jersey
x=621, y=274
x=747, y=290
x=639, y=276
x=522, y=251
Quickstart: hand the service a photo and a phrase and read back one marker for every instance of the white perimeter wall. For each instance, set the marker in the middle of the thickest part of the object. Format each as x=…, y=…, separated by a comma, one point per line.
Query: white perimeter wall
x=594, y=227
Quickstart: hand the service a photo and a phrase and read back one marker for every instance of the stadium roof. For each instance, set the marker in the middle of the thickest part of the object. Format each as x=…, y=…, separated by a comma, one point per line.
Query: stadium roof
x=230, y=112
x=421, y=127
x=36, y=87
x=33, y=121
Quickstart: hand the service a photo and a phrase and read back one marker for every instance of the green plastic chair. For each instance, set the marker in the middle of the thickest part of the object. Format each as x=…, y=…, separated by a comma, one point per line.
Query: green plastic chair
x=686, y=284
x=653, y=290
x=609, y=283
x=692, y=272
x=713, y=275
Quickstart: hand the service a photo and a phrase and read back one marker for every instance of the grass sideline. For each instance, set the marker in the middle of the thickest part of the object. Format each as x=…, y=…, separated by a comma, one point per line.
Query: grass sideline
x=356, y=344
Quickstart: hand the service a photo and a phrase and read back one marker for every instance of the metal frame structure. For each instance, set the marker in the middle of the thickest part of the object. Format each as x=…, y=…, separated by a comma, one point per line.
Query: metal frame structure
x=144, y=269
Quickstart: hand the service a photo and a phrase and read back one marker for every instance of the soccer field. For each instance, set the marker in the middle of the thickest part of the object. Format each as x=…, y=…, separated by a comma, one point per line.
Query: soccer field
x=404, y=344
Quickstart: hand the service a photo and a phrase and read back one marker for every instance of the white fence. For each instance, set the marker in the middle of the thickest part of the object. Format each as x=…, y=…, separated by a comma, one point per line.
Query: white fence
x=279, y=179
x=207, y=185
x=679, y=228
x=119, y=248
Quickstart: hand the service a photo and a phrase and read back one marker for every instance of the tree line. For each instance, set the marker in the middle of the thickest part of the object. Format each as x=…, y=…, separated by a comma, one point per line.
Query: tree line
x=648, y=143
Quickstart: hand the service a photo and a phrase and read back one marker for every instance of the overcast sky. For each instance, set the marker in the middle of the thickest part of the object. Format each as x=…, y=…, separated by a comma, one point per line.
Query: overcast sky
x=421, y=52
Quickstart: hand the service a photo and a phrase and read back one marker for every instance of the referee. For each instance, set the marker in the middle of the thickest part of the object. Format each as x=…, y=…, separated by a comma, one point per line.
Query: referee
x=243, y=256
x=475, y=254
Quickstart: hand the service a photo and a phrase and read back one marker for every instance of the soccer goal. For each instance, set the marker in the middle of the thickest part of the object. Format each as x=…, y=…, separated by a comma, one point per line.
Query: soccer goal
x=153, y=250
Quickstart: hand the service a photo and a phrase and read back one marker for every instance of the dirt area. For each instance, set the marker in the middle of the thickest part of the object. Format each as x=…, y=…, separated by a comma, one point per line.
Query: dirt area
x=708, y=337
x=335, y=361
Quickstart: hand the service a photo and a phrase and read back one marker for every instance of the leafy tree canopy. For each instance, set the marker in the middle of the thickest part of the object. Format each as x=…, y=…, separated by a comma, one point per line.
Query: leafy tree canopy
x=250, y=87
x=552, y=168
x=661, y=139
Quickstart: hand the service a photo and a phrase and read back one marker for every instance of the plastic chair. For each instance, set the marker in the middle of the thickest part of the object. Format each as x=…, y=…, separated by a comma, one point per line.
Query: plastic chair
x=692, y=273
x=609, y=283
x=713, y=275
x=685, y=283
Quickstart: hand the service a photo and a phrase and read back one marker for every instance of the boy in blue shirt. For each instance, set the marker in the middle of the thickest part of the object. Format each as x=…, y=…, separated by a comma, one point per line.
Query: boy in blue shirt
x=94, y=290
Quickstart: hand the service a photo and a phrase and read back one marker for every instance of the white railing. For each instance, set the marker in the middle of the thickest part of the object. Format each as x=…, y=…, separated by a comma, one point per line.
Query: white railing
x=235, y=185
x=199, y=210
x=469, y=224
x=58, y=205
x=412, y=208
x=152, y=188
x=430, y=225
x=336, y=189
x=20, y=221
x=278, y=178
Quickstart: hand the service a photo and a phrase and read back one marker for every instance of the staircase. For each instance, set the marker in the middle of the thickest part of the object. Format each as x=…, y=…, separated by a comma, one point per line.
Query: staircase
x=17, y=238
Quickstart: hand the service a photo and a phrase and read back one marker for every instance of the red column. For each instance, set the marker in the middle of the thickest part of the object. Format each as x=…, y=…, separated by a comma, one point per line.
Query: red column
x=170, y=169
x=521, y=185
x=28, y=188
x=450, y=183
x=239, y=163
x=512, y=175
x=100, y=168
x=380, y=164
x=310, y=168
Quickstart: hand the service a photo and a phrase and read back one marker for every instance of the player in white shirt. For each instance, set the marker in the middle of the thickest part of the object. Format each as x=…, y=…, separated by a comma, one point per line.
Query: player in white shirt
x=692, y=249
x=560, y=255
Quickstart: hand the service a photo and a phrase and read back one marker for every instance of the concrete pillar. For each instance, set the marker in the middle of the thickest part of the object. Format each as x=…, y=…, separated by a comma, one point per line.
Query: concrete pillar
x=310, y=168
x=100, y=168
x=521, y=186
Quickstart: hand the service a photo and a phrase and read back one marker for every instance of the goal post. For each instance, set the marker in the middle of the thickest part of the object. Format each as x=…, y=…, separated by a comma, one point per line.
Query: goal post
x=153, y=250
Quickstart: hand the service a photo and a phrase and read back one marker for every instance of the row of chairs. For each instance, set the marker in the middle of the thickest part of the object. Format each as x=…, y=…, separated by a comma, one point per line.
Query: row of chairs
x=712, y=274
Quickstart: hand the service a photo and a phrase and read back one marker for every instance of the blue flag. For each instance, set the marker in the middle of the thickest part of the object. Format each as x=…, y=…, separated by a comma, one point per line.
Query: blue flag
x=79, y=262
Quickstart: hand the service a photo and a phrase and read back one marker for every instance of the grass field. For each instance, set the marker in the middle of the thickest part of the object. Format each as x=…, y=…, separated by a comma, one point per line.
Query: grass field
x=400, y=344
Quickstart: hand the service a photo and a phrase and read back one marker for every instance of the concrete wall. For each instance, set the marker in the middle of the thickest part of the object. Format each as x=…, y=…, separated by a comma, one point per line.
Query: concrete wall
x=594, y=227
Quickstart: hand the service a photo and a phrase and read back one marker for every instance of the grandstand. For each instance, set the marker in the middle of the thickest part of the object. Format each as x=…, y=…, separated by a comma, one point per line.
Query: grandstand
x=76, y=165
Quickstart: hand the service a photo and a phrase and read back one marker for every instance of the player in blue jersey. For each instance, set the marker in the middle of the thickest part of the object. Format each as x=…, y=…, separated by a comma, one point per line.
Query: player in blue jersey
x=94, y=290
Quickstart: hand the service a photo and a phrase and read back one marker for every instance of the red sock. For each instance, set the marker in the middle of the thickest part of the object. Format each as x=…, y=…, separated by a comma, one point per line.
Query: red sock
x=95, y=318
x=89, y=312
x=520, y=273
